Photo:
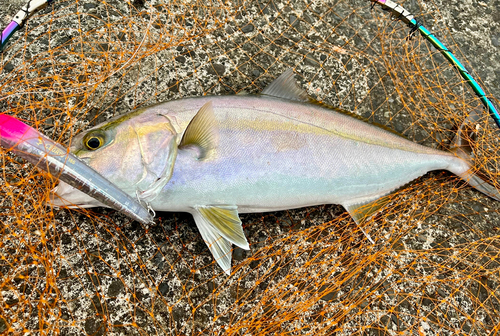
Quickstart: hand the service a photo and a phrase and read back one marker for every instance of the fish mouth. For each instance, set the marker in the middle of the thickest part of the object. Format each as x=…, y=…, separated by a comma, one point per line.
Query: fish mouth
x=65, y=196
x=55, y=201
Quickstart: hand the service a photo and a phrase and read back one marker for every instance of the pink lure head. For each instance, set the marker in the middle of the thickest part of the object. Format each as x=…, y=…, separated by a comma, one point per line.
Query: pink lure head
x=12, y=129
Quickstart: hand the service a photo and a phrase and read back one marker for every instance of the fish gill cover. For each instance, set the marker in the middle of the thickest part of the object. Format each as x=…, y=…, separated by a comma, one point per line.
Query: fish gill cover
x=434, y=268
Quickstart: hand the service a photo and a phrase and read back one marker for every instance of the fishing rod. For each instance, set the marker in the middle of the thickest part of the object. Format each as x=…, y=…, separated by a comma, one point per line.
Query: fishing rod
x=20, y=19
x=396, y=10
x=406, y=17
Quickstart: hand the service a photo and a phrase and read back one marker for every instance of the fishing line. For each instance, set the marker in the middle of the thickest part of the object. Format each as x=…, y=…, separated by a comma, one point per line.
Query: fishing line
x=396, y=11
x=30, y=8
x=401, y=14
x=21, y=17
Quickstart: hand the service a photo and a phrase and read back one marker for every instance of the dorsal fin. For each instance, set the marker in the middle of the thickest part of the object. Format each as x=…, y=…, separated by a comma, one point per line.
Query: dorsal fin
x=355, y=116
x=286, y=87
x=202, y=131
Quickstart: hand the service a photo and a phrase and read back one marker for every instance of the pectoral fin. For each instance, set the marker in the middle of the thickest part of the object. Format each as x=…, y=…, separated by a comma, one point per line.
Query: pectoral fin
x=361, y=212
x=220, y=226
x=202, y=131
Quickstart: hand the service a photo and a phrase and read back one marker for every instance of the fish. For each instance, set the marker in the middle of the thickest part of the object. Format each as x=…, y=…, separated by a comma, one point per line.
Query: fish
x=218, y=156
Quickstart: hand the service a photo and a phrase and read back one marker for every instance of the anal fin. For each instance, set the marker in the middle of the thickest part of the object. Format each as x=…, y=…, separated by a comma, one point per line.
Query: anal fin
x=362, y=211
x=220, y=226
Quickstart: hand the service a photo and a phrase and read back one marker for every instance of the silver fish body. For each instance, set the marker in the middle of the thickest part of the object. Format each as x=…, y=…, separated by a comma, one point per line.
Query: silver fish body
x=215, y=157
x=275, y=154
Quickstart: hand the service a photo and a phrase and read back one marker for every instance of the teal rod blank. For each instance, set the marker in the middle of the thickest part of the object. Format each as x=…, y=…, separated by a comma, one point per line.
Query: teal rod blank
x=461, y=69
x=402, y=14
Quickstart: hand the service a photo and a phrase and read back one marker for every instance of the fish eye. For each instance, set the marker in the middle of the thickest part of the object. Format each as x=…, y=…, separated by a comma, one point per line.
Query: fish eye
x=93, y=141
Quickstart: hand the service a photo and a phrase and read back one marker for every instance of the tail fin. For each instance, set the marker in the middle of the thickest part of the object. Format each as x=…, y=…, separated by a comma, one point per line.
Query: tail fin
x=461, y=148
x=480, y=184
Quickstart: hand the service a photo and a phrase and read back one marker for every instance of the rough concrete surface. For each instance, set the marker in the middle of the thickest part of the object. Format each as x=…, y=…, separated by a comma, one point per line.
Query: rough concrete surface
x=110, y=276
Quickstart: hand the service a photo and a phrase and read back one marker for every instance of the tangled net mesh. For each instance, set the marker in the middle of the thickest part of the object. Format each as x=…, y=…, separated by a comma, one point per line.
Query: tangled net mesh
x=433, y=269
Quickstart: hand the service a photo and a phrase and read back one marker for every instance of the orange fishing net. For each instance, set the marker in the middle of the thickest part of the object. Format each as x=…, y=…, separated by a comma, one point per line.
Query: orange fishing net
x=434, y=268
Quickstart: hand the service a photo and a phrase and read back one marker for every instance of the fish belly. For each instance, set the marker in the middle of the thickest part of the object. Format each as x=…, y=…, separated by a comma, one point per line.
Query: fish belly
x=269, y=160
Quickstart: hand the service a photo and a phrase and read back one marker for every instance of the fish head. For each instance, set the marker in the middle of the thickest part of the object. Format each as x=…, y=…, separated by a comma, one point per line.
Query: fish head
x=132, y=151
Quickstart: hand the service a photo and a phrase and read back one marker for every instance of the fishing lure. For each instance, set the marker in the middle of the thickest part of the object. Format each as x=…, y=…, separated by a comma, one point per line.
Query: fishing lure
x=48, y=155
x=406, y=17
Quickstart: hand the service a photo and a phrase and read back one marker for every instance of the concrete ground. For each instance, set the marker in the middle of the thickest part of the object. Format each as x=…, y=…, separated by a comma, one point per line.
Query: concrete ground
x=114, y=272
